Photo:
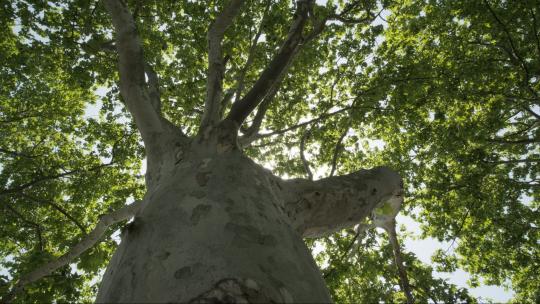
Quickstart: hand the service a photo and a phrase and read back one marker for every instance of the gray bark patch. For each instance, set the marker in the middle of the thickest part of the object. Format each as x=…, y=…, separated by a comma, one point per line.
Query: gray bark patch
x=198, y=194
x=202, y=178
x=246, y=235
x=233, y=291
x=164, y=255
x=239, y=217
x=199, y=212
x=183, y=273
x=269, y=240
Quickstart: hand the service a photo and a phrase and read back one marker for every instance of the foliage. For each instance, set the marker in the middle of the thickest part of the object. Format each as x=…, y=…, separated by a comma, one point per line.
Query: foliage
x=449, y=86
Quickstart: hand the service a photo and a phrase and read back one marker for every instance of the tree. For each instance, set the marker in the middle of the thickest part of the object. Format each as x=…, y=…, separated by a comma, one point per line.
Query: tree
x=204, y=90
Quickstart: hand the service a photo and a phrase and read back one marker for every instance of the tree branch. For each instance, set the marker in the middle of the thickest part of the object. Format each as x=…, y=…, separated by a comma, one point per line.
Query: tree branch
x=317, y=208
x=398, y=259
x=514, y=142
x=251, y=54
x=216, y=67
x=39, y=229
x=361, y=228
x=533, y=113
x=253, y=130
x=153, y=88
x=15, y=153
x=49, y=177
x=57, y=208
x=246, y=140
x=132, y=68
x=514, y=161
x=535, y=30
x=302, y=155
x=87, y=242
x=337, y=149
x=243, y=107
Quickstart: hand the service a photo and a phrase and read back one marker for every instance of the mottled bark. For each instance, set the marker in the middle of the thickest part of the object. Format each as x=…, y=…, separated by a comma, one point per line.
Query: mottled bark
x=218, y=227
x=317, y=208
x=215, y=229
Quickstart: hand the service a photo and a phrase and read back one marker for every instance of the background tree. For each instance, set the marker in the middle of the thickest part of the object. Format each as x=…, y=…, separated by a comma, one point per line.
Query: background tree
x=450, y=87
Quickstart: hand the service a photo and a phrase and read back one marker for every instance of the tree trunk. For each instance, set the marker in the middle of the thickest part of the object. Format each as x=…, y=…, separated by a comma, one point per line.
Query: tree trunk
x=219, y=228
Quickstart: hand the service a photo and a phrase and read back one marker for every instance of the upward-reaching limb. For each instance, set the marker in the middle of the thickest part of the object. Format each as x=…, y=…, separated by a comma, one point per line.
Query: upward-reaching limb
x=243, y=107
x=212, y=105
x=132, y=71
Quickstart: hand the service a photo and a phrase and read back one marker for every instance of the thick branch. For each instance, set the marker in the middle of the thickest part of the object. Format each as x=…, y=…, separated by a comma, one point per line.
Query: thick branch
x=255, y=126
x=243, y=107
x=87, y=242
x=216, y=63
x=317, y=208
x=251, y=55
x=132, y=69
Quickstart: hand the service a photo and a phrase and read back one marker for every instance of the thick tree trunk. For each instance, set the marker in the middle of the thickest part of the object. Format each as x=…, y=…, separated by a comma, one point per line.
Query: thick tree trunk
x=217, y=229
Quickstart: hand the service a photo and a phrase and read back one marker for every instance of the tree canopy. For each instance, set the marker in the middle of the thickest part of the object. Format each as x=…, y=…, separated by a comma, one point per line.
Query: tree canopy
x=444, y=91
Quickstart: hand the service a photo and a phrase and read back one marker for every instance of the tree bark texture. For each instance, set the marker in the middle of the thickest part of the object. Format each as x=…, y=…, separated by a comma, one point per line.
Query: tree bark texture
x=218, y=228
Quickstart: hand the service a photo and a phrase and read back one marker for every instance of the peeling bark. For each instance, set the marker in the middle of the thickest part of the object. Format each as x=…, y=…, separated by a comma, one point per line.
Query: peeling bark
x=318, y=208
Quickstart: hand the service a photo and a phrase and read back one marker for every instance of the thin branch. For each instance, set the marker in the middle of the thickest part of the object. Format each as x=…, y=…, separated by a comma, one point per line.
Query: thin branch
x=153, y=87
x=514, y=161
x=243, y=107
x=514, y=142
x=302, y=154
x=39, y=229
x=132, y=69
x=530, y=111
x=86, y=242
x=513, y=53
x=57, y=208
x=535, y=29
x=216, y=67
x=49, y=177
x=15, y=153
x=319, y=118
x=350, y=20
x=458, y=232
x=226, y=101
x=361, y=228
x=337, y=150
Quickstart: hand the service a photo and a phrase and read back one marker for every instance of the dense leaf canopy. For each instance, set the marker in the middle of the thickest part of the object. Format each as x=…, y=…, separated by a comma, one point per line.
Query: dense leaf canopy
x=444, y=91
